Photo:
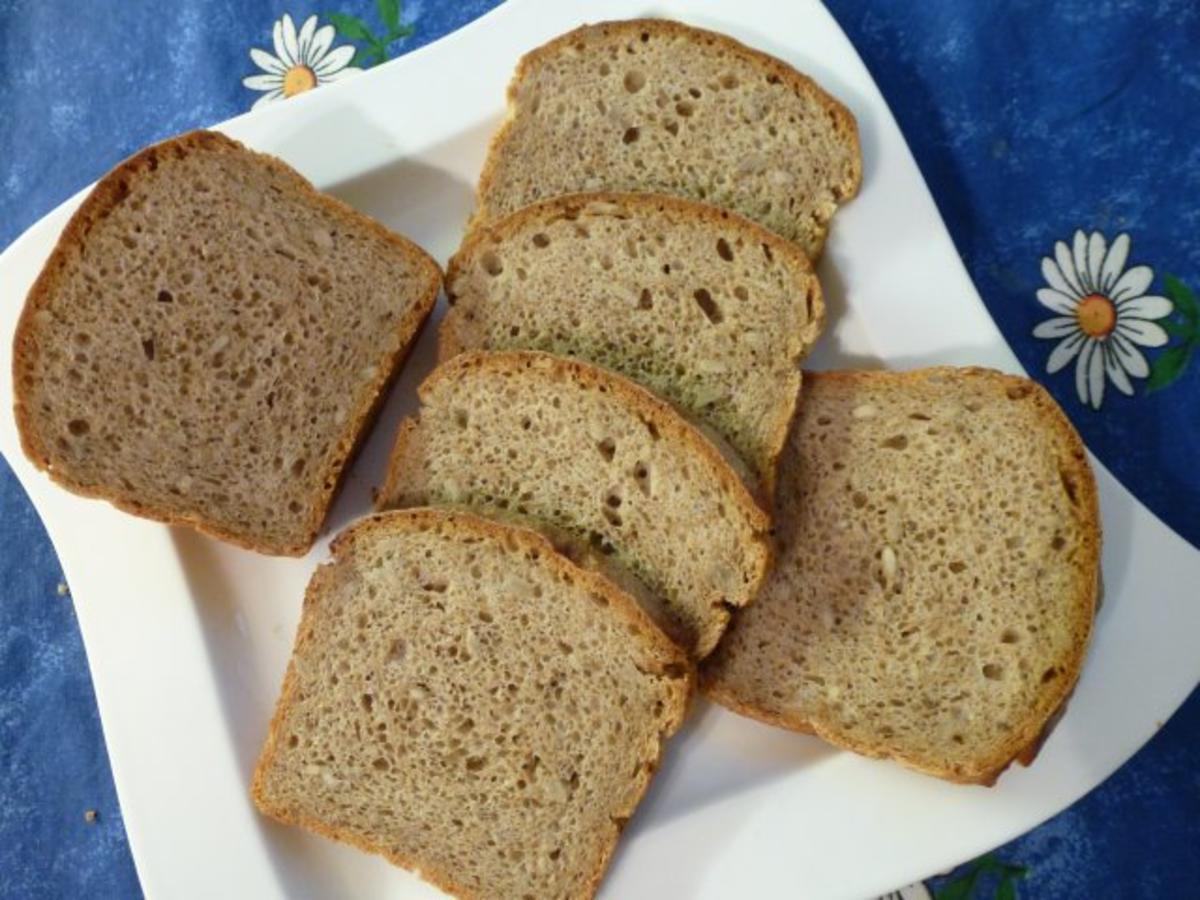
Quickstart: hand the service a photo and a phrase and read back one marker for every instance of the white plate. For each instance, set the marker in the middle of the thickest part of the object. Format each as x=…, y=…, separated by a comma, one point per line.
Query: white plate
x=188, y=638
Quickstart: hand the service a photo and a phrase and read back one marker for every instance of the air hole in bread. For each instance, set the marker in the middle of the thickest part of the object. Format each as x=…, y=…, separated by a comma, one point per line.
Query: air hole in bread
x=724, y=250
x=957, y=566
x=607, y=448
x=540, y=240
x=1010, y=636
x=148, y=348
x=460, y=418
x=1069, y=486
x=742, y=294
x=605, y=68
x=634, y=81
x=165, y=296
x=728, y=81
x=491, y=263
x=896, y=442
x=920, y=417
x=672, y=127
x=1019, y=391
x=708, y=306
x=1059, y=542
x=685, y=108
x=630, y=135
x=79, y=427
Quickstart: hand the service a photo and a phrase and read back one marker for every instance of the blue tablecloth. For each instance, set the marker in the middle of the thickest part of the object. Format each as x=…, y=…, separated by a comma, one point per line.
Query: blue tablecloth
x=1061, y=142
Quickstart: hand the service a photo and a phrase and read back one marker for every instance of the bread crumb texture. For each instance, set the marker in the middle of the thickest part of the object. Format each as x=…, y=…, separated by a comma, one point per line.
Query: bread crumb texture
x=208, y=339
x=654, y=105
x=709, y=310
x=466, y=702
x=938, y=539
x=589, y=452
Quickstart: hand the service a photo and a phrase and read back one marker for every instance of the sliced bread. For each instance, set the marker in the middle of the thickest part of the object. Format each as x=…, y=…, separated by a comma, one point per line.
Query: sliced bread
x=655, y=105
x=468, y=703
x=209, y=340
x=707, y=309
x=938, y=542
x=586, y=451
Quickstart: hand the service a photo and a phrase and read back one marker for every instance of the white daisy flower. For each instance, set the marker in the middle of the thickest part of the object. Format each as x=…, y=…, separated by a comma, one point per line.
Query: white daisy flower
x=1104, y=314
x=303, y=60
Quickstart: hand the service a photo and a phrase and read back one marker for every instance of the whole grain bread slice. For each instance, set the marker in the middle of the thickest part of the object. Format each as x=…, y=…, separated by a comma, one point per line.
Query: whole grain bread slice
x=209, y=340
x=656, y=105
x=466, y=702
x=584, y=450
x=938, y=543
x=707, y=309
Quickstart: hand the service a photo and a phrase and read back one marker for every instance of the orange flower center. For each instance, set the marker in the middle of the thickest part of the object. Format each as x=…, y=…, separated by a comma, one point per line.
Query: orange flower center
x=1097, y=315
x=297, y=80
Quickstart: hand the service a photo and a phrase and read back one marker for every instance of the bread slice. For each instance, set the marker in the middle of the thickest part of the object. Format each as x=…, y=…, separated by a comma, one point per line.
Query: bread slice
x=208, y=342
x=468, y=703
x=707, y=309
x=655, y=105
x=938, y=544
x=584, y=450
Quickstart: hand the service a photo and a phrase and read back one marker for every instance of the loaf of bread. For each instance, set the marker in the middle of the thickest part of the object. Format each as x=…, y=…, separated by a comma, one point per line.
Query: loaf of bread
x=586, y=451
x=655, y=105
x=707, y=309
x=209, y=340
x=468, y=703
x=938, y=543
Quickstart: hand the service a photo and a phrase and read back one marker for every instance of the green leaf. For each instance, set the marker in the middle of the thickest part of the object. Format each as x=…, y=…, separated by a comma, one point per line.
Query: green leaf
x=1183, y=298
x=1169, y=365
x=351, y=27
x=1175, y=329
x=400, y=32
x=389, y=11
x=1007, y=889
x=956, y=890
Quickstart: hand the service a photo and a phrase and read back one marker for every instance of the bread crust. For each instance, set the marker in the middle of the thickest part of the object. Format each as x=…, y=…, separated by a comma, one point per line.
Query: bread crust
x=109, y=192
x=1026, y=737
x=674, y=665
x=800, y=84
x=570, y=206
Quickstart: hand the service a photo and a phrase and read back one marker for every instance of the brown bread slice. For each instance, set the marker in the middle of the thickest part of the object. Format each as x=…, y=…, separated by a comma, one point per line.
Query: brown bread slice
x=468, y=703
x=586, y=451
x=655, y=105
x=209, y=340
x=707, y=309
x=938, y=547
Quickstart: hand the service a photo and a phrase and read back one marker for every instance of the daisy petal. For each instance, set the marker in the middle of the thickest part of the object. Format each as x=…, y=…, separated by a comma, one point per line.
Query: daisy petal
x=304, y=40
x=1081, y=372
x=267, y=62
x=268, y=82
x=1057, y=327
x=1057, y=301
x=334, y=60
x=1112, y=368
x=289, y=39
x=1095, y=257
x=321, y=41
x=1079, y=256
x=1132, y=284
x=340, y=74
x=1064, y=353
x=1067, y=266
x=1141, y=332
x=280, y=49
x=1147, y=306
x=1096, y=374
x=1054, y=277
x=1129, y=356
x=266, y=99
x=1114, y=262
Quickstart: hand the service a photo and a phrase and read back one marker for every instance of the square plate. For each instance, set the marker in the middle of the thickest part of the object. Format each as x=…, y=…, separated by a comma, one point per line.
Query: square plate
x=188, y=638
